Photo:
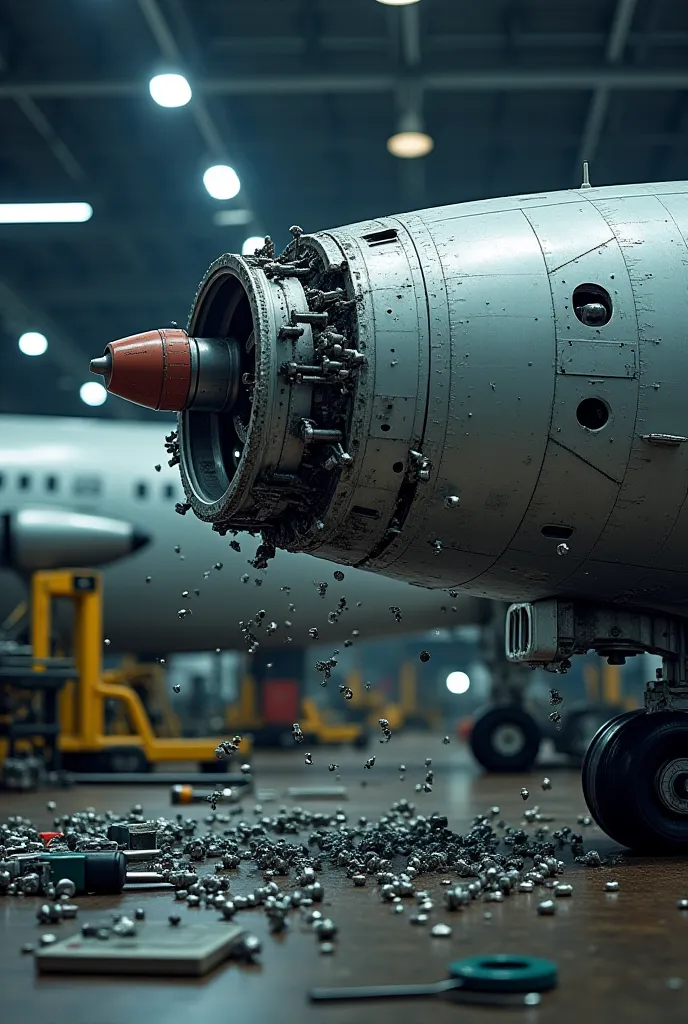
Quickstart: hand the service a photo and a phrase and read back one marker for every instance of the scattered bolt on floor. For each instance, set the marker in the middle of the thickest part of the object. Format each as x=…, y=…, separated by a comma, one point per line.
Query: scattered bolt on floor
x=278, y=862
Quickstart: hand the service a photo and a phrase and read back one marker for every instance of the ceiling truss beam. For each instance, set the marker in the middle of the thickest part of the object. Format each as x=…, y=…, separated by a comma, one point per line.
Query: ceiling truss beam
x=599, y=104
x=580, y=80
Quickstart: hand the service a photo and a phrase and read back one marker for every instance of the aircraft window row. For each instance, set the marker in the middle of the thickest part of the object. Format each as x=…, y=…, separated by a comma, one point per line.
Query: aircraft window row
x=142, y=491
x=81, y=485
x=85, y=486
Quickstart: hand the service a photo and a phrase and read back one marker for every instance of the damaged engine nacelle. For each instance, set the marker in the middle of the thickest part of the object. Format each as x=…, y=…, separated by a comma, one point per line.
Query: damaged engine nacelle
x=320, y=451
x=457, y=397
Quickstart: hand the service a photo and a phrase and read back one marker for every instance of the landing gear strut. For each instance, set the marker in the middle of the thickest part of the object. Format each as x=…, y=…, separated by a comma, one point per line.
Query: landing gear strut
x=635, y=772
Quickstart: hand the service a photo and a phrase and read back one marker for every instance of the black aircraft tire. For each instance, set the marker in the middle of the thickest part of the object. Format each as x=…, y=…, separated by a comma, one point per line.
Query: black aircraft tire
x=635, y=781
x=505, y=739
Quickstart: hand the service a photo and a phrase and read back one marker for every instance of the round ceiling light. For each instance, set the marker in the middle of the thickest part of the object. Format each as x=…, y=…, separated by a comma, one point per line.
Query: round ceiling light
x=252, y=243
x=92, y=393
x=458, y=682
x=32, y=343
x=222, y=182
x=410, y=145
x=170, y=90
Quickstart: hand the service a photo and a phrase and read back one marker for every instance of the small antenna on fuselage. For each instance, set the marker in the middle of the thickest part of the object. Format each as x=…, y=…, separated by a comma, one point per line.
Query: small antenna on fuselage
x=586, y=177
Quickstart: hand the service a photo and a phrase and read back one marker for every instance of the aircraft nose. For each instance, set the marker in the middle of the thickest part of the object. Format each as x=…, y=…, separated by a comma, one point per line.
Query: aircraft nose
x=139, y=539
x=40, y=538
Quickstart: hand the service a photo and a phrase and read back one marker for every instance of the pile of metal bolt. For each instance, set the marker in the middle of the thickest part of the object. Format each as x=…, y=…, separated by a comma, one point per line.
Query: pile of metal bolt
x=492, y=860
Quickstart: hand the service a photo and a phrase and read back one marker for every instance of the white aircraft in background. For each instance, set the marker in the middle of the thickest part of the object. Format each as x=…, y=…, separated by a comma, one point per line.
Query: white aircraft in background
x=85, y=493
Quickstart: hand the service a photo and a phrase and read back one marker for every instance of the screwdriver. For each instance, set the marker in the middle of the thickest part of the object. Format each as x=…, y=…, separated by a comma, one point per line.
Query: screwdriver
x=498, y=980
x=185, y=794
x=101, y=872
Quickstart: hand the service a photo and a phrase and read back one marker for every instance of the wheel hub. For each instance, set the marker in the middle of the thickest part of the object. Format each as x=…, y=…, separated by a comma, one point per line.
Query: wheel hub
x=508, y=739
x=672, y=785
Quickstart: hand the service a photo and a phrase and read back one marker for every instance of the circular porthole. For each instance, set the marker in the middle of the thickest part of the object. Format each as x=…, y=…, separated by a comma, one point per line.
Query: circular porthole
x=592, y=413
x=592, y=305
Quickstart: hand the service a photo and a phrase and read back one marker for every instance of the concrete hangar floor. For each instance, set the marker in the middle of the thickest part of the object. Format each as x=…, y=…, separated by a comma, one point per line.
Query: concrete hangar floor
x=620, y=954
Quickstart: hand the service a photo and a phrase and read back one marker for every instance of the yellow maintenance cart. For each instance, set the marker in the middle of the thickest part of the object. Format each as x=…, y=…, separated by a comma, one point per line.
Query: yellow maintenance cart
x=414, y=714
x=271, y=724
x=88, y=701
x=370, y=706
x=147, y=679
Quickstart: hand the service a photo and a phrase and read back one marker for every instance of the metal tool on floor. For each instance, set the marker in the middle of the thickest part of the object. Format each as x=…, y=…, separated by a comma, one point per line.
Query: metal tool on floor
x=101, y=872
x=134, y=835
x=317, y=792
x=184, y=794
x=220, y=778
x=497, y=980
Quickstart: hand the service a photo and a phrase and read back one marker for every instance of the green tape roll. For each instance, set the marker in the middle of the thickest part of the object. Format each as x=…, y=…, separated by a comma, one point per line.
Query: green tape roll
x=504, y=972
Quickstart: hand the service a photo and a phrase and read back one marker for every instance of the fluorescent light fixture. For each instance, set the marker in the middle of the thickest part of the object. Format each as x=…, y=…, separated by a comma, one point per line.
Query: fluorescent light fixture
x=170, y=90
x=250, y=245
x=232, y=218
x=45, y=213
x=458, y=682
x=410, y=145
x=222, y=182
x=398, y=3
x=32, y=343
x=92, y=393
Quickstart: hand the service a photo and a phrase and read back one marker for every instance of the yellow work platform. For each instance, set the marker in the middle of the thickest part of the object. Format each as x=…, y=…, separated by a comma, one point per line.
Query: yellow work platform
x=83, y=735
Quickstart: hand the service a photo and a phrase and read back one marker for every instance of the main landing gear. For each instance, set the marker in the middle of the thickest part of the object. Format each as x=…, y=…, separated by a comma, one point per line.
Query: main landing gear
x=635, y=772
x=635, y=780
x=506, y=738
